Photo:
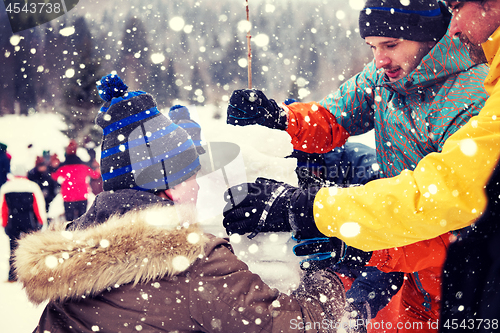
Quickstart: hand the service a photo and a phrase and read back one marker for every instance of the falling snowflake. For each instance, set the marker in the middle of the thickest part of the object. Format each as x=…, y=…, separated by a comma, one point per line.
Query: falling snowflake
x=51, y=261
x=235, y=239
x=350, y=229
x=193, y=238
x=432, y=189
x=261, y=40
x=244, y=26
x=253, y=97
x=176, y=23
x=468, y=147
x=68, y=31
x=254, y=248
x=15, y=39
x=157, y=58
x=70, y=72
x=180, y=263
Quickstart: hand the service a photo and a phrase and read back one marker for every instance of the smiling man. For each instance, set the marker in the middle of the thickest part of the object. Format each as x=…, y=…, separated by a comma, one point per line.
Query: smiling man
x=474, y=23
x=397, y=57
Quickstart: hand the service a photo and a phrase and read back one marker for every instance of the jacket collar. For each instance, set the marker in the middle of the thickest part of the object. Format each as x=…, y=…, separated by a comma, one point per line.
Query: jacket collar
x=491, y=49
x=137, y=247
x=447, y=57
x=108, y=203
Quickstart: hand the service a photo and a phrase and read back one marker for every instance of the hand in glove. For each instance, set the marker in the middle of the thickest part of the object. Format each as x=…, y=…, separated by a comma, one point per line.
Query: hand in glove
x=328, y=252
x=250, y=106
x=269, y=205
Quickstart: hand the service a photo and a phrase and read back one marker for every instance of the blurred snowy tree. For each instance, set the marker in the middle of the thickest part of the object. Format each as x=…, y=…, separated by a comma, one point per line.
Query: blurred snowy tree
x=315, y=41
x=79, y=83
x=197, y=94
x=134, y=64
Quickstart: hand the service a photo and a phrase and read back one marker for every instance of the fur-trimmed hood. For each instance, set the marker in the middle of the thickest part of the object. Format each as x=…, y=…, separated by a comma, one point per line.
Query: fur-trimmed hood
x=136, y=247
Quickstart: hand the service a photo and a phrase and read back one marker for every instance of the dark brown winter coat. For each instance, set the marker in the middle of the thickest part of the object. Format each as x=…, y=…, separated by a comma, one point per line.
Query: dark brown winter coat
x=140, y=272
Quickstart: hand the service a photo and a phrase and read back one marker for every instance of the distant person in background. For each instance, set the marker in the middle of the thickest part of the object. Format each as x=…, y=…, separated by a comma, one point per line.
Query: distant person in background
x=4, y=163
x=95, y=183
x=22, y=210
x=75, y=186
x=40, y=174
x=54, y=163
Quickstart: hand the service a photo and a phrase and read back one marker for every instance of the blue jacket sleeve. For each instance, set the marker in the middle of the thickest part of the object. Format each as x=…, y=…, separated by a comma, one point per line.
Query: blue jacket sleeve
x=351, y=164
x=352, y=103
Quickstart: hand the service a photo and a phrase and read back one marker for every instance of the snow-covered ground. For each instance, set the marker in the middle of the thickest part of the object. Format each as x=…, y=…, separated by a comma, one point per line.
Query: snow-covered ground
x=261, y=154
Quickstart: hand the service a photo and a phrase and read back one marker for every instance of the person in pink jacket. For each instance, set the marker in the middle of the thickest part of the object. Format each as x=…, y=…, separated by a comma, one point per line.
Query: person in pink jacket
x=75, y=186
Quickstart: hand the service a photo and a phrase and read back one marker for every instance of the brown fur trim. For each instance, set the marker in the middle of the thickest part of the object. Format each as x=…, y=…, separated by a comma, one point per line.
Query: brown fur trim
x=58, y=265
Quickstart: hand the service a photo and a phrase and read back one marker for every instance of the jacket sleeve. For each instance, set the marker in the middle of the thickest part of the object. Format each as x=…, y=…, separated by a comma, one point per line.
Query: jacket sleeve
x=352, y=104
x=56, y=174
x=445, y=192
x=223, y=288
x=39, y=204
x=464, y=100
x=321, y=127
x=313, y=128
x=413, y=257
x=4, y=210
x=94, y=173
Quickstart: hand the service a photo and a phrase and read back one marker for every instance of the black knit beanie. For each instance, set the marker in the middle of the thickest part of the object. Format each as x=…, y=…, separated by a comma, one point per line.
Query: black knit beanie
x=415, y=20
x=142, y=149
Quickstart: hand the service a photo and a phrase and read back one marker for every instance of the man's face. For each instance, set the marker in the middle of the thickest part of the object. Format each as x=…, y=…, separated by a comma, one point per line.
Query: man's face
x=474, y=22
x=398, y=57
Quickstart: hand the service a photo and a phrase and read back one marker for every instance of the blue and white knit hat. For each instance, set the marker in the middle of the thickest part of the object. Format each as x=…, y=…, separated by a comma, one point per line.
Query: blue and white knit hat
x=142, y=149
x=179, y=114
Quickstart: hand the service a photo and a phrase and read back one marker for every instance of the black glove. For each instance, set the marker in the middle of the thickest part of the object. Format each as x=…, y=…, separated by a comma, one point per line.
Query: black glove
x=248, y=107
x=269, y=205
x=328, y=252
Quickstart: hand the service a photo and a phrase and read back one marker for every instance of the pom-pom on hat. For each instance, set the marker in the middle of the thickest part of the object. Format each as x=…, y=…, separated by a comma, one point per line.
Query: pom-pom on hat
x=415, y=20
x=142, y=149
x=180, y=115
